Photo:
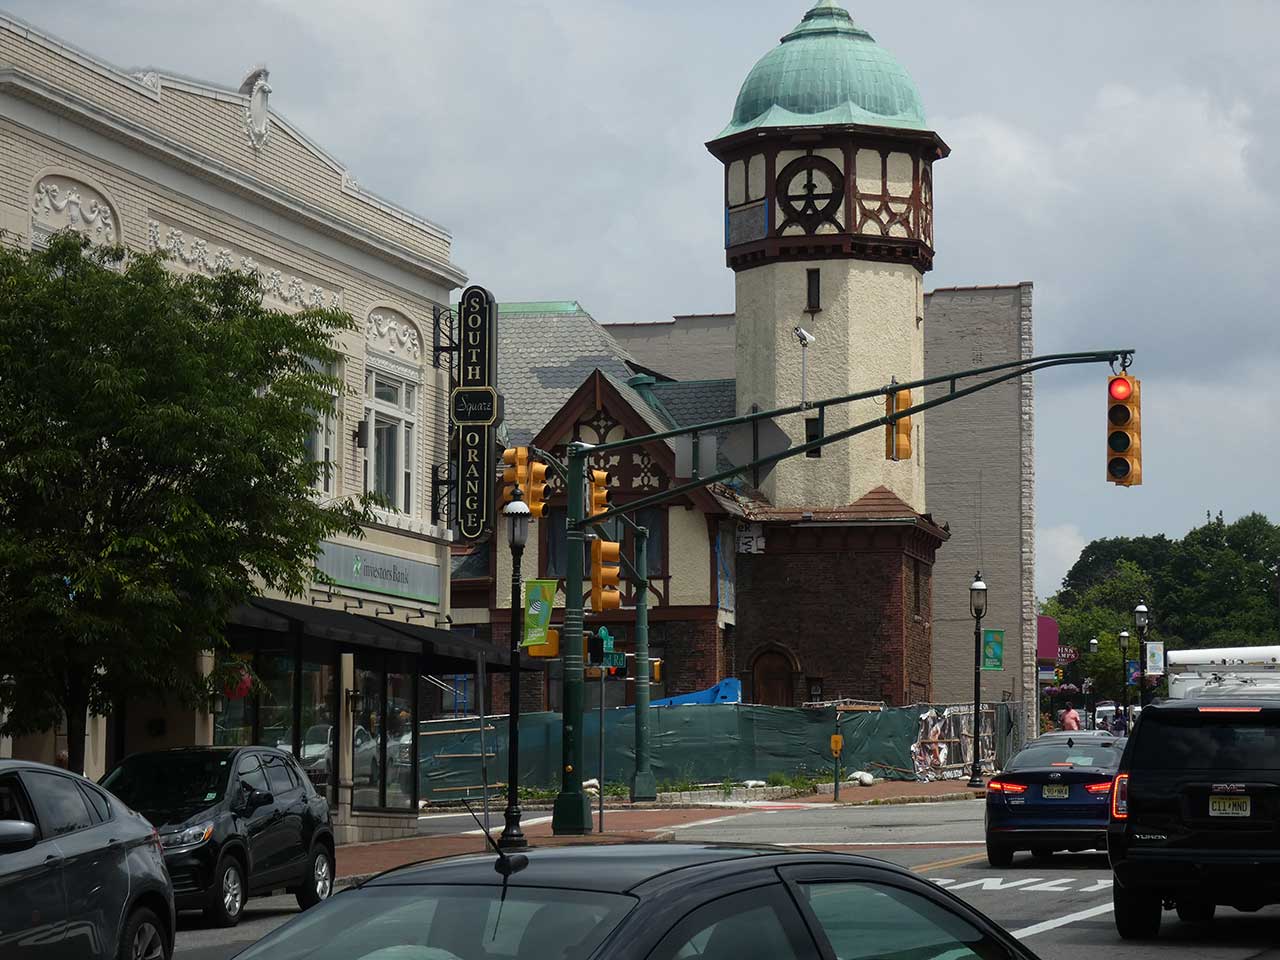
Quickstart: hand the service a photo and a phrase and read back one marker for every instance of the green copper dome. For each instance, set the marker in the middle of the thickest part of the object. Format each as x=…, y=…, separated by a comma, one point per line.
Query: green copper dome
x=827, y=70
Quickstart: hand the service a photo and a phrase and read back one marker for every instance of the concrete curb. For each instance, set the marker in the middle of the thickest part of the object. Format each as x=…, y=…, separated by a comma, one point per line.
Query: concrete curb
x=901, y=801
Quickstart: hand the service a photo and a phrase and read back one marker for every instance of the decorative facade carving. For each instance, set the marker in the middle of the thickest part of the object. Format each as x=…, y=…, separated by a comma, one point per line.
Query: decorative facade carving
x=196, y=253
x=149, y=79
x=257, y=118
x=62, y=203
x=392, y=332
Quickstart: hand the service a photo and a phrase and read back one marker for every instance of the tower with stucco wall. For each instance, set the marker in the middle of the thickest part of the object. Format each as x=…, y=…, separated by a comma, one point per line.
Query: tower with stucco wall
x=828, y=193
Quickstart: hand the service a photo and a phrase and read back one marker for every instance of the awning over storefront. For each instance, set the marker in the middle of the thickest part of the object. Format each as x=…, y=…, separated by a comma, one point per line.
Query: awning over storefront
x=444, y=652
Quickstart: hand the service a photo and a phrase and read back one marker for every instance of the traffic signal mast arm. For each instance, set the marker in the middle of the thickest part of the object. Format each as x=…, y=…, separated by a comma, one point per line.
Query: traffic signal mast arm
x=1014, y=370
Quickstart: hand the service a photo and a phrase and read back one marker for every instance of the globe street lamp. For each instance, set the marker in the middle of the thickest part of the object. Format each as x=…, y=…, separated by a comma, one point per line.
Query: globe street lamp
x=977, y=607
x=517, y=514
x=1141, y=618
x=1123, y=641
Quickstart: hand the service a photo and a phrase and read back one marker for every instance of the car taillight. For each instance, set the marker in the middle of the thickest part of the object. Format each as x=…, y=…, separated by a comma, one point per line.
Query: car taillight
x=1120, y=798
x=1097, y=788
x=1004, y=786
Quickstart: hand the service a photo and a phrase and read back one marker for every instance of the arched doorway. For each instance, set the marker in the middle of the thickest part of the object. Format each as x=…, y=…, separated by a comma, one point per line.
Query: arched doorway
x=771, y=680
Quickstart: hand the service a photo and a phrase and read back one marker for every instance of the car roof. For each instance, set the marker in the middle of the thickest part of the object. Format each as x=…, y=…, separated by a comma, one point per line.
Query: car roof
x=606, y=868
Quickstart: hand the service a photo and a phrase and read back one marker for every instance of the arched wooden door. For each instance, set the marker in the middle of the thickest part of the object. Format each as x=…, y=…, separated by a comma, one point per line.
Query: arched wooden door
x=771, y=680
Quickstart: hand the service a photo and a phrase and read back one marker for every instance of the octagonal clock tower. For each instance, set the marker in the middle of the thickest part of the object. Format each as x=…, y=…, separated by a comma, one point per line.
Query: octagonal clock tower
x=828, y=194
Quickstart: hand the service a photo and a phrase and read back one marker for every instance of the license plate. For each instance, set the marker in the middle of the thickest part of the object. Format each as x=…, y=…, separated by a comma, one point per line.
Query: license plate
x=1230, y=806
x=1052, y=792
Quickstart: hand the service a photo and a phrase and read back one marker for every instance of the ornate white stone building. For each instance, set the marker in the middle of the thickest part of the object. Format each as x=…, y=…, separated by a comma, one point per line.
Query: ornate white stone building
x=216, y=178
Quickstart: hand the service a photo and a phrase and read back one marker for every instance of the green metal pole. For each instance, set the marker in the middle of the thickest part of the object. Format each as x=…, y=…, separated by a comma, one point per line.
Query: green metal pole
x=572, y=813
x=643, y=785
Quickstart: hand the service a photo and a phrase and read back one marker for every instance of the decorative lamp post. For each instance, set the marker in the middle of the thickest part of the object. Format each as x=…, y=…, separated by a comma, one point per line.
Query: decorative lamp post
x=978, y=607
x=517, y=514
x=1091, y=720
x=1141, y=618
x=1123, y=641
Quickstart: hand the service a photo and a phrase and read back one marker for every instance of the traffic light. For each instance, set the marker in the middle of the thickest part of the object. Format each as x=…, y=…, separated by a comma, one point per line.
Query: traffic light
x=1124, y=430
x=546, y=650
x=516, y=472
x=897, y=433
x=597, y=492
x=605, y=575
x=535, y=493
x=655, y=670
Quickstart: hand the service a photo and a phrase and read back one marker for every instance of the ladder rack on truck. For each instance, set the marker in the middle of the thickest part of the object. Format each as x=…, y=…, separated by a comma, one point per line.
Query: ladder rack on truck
x=1225, y=671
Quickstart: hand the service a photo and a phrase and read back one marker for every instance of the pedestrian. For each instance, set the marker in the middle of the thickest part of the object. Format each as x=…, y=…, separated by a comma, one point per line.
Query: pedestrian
x=1118, y=725
x=1070, y=719
x=62, y=759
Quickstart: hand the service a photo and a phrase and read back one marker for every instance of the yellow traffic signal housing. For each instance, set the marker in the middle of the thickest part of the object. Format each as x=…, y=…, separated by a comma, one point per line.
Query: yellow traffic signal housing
x=605, y=575
x=897, y=434
x=1124, y=430
x=598, y=492
x=536, y=489
x=655, y=670
x=549, y=649
x=515, y=473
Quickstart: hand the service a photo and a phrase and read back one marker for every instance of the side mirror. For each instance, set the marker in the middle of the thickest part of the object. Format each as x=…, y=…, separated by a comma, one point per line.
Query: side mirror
x=258, y=798
x=17, y=835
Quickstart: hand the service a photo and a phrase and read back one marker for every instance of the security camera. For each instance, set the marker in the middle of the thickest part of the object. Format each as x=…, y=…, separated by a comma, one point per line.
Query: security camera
x=804, y=336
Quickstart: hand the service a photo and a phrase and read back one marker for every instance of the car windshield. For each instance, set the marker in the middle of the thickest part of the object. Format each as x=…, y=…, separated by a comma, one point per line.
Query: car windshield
x=447, y=923
x=1195, y=740
x=318, y=735
x=172, y=780
x=1059, y=752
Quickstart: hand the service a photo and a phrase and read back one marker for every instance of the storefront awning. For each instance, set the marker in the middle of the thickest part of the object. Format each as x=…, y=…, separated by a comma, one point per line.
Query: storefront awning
x=443, y=651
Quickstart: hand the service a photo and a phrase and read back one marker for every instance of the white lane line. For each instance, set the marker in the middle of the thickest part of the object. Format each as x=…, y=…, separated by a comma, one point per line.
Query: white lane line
x=1048, y=925
x=886, y=843
x=523, y=823
x=695, y=823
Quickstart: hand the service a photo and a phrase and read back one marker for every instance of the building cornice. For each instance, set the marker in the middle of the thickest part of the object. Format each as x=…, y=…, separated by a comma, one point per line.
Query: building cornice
x=26, y=86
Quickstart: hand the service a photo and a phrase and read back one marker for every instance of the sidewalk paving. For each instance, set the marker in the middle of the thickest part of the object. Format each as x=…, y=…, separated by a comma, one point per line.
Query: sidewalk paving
x=904, y=791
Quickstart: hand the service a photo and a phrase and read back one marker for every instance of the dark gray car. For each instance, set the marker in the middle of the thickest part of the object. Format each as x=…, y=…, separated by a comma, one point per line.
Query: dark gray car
x=81, y=875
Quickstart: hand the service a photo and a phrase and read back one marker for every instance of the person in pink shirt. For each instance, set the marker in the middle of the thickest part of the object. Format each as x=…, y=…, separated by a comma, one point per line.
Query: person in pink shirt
x=1070, y=719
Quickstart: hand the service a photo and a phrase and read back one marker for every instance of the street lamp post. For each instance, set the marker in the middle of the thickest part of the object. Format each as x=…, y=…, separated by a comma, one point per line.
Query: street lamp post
x=1090, y=717
x=978, y=607
x=1123, y=641
x=517, y=514
x=1141, y=617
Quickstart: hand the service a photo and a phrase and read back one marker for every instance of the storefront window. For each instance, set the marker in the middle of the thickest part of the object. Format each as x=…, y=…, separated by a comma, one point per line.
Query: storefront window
x=319, y=725
x=400, y=692
x=367, y=738
x=275, y=701
x=234, y=726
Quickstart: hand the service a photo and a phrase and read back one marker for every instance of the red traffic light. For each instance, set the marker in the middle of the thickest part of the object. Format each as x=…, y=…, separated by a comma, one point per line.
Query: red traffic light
x=1121, y=389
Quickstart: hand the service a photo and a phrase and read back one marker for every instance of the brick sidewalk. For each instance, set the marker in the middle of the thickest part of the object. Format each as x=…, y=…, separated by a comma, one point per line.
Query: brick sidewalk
x=621, y=826
x=901, y=791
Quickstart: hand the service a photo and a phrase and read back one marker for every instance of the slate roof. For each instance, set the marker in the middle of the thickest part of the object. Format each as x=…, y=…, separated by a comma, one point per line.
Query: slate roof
x=696, y=401
x=473, y=564
x=546, y=350
x=878, y=505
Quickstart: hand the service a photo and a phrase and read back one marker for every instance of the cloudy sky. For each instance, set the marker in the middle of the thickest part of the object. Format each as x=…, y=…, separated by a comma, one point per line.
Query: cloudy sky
x=1121, y=155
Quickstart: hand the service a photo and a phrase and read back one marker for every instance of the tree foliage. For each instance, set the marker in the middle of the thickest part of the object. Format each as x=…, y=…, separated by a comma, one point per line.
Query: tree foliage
x=1215, y=587
x=152, y=473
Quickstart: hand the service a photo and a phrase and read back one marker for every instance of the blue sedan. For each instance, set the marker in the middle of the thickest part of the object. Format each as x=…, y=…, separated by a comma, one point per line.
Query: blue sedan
x=1053, y=795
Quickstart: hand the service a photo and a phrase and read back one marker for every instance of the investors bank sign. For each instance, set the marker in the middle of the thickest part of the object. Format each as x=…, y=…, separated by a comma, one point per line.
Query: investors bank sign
x=476, y=411
x=374, y=572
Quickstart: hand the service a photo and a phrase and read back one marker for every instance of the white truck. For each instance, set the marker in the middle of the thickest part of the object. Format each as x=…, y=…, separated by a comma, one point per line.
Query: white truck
x=1224, y=671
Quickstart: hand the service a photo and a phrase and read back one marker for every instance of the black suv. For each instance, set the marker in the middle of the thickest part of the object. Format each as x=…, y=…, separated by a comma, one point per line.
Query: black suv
x=234, y=822
x=1195, y=813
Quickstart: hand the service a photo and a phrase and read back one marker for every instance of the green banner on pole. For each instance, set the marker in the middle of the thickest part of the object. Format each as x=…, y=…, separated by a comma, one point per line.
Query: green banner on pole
x=992, y=649
x=539, y=601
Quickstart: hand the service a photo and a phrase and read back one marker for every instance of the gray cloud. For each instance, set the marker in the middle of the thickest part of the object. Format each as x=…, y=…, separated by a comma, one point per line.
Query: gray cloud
x=1122, y=156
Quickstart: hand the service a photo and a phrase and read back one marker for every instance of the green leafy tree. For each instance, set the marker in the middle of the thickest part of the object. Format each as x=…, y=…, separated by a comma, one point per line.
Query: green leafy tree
x=152, y=474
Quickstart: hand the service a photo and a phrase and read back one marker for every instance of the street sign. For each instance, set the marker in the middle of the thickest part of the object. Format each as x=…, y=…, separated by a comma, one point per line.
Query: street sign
x=992, y=649
x=1068, y=655
x=837, y=744
x=1155, y=658
x=612, y=659
x=606, y=640
x=1047, y=675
